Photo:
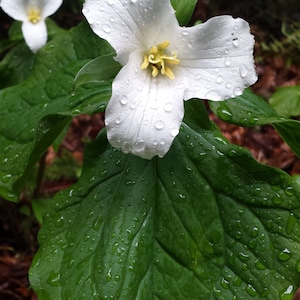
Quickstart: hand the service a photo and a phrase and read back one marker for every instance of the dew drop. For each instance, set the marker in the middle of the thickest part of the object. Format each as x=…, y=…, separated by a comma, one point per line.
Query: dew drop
x=284, y=255
x=139, y=87
x=53, y=279
x=198, y=76
x=237, y=281
x=219, y=79
x=227, y=62
x=159, y=125
x=139, y=146
x=289, y=191
x=6, y=178
x=287, y=293
x=118, y=121
x=174, y=132
x=85, y=10
x=124, y=100
x=132, y=105
x=251, y=290
x=108, y=275
x=224, y=113
x=228, y=85
x=254, y=232
x=213, y=95
x=259, y=265
x=168, y=107
x=291, y=222
x=235, y=42
x=277, y=199
x=238, y=91
x=180, y=86
x=106, y=28
x=243, y=71
x=243, y=256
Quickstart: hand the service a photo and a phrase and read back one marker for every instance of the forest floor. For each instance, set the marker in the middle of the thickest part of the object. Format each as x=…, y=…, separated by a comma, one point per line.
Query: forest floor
x=18, y=225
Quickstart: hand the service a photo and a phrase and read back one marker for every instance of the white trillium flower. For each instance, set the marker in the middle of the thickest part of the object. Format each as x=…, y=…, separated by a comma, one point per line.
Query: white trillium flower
x=33, y=14
x=164, y=64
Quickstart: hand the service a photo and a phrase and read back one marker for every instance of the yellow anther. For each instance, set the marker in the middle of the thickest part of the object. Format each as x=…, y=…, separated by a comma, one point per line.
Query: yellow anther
x=34, y=15
x=157, y=60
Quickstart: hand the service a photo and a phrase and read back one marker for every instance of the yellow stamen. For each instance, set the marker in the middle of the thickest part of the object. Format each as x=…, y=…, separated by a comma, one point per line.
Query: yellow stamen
x=157, y=60
x=34, y=15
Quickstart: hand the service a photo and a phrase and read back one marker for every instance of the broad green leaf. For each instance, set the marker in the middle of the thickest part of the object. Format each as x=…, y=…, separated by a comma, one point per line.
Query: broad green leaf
x=204, y=222
x=17, y=65
x=286, y=101
x=251, y=110
x=184, y=10
x=35, y=111
x=100, y=69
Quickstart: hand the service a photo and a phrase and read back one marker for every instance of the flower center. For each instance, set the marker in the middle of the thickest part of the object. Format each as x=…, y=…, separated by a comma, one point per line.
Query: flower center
x=158, y=60
x=34, y=15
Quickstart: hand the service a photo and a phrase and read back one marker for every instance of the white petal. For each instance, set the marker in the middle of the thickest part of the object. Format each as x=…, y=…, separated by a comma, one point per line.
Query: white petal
x=49, y=7
x=15, y=9
x=144, y=113
x=35, y=35
x=218, y=58
x=131, y=25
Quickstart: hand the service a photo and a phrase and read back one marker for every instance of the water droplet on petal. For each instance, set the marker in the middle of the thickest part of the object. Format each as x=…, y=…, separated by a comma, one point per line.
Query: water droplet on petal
x=198, y=76
x=213, y=95
x=174, y=132
x=124, y=100
x=219, y=79
x=227, y=62
x=168, y=107
x=139, y=146
x=118, y=121
x=228, y=85
x=235, y=42
x=243, y=71
x=106, y=28
x=238, y=91
x=180, y=86
x=132, y=105
x=159, y=125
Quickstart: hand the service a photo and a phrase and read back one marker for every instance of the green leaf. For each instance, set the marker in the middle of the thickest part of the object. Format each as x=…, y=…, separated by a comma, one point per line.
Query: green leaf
x=251, y=110
x=100, y=69
x=184, y=10
x=214, y=225
x=17, y=65
x=35, y=111
x=286, y=101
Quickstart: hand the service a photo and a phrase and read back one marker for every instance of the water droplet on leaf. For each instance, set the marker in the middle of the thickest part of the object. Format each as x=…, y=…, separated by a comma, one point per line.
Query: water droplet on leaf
x=284, y=255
